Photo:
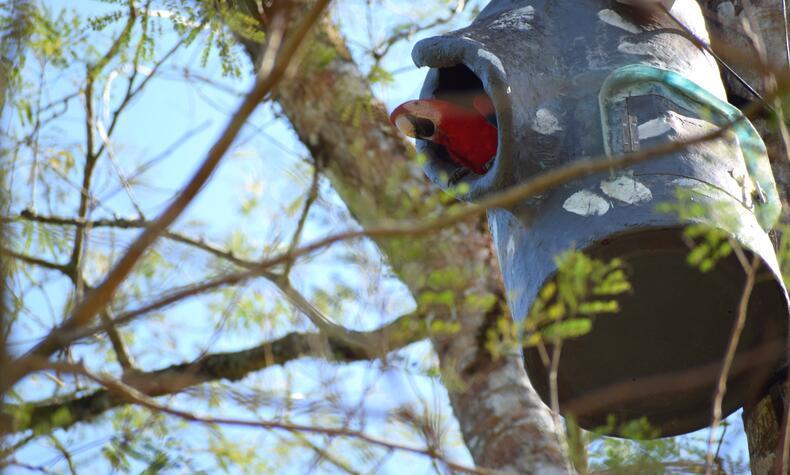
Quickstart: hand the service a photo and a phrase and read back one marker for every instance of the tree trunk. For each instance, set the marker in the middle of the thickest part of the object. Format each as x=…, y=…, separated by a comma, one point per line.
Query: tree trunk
x=743, y=29
x=763, y=425
x=330, y=105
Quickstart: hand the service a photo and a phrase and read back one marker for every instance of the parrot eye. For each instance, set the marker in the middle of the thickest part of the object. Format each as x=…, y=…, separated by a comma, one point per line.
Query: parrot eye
x=423, y=128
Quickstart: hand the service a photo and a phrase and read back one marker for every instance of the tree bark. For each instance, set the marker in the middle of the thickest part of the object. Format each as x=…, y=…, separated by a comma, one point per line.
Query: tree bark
x=330, y=105
x=757, y=28
x=742, y=30
x=763, y=425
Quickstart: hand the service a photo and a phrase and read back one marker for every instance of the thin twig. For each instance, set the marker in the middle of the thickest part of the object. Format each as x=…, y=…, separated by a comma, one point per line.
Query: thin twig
x=65, y=453
x=718, y=447
x=786, y=32
x=322, y=453
x=562, y=439
x=131, y=93
x=31, y=468
x=35, y=138
x=136, y=397
x=312, y=195
x=543, y=182
x=124, y=359
x=324, y=324
x=121, y=223
x=35, y=261
x=117, y=167
x=162, y=155
x=729, y=357
x=104, y=133
x=92, y=71
x=381, y=49
x=553, y=372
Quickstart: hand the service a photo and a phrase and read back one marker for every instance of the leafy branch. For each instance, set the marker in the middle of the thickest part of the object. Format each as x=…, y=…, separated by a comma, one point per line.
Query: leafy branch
x=230, y=366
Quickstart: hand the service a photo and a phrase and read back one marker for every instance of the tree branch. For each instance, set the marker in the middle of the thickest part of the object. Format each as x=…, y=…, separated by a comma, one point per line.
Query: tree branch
x=62, y=268
x=124, y=359
x=122, y=223
x=90, y=157
x=729, y=355
x=323, y=323
x=108, y=325
x=231, y=366
x=132, y=395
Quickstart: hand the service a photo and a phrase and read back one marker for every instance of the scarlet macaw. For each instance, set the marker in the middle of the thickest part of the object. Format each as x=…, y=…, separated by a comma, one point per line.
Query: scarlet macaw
x=467, y=135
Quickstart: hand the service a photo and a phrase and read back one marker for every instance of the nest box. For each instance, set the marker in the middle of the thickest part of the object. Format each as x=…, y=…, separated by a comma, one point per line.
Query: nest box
x=573, y=80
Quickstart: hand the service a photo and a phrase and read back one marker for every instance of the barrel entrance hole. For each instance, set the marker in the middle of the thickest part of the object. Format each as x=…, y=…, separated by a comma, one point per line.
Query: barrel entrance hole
x=469, y=124
x=660, y=355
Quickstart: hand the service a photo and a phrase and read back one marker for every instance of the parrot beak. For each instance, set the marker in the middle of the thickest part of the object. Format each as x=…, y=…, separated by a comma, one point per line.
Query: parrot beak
x=408, y=119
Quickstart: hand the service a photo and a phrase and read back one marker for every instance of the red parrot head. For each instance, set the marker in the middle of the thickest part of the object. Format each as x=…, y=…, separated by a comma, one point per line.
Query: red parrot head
x=466, y=134
x=417, y=119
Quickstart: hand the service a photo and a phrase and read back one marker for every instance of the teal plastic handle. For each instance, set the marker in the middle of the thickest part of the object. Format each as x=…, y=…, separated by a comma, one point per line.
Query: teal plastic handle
x=687, y=93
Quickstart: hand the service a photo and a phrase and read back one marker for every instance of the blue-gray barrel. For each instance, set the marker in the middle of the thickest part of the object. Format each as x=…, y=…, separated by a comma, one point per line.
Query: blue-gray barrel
x=581, y=79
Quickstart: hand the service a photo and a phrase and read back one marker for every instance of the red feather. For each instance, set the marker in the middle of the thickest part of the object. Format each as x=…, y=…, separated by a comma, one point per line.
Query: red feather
x=483, y=105
x=469, y=138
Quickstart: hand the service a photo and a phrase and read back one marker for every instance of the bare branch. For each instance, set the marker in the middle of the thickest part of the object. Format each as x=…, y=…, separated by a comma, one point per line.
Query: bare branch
x=132, y=92
x=117, y=343
x=130, y=394
x=62, y=268
x=322, y=453
x=532, y=187
x=91, y=157
x=231, y=366
x=381, y=49
x=312, y=195
x=121, y=223
x=729, y=357
x=323, y=323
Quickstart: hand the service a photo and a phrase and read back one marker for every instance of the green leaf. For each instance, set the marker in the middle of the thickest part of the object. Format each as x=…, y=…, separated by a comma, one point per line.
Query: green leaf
x=599, y=306
x=567, y=329
x=61, y=417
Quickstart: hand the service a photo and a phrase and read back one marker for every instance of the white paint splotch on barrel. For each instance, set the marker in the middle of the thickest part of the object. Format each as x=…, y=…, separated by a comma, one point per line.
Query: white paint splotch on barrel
x=546, y=122
x=627, y=190
x=586, y=203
